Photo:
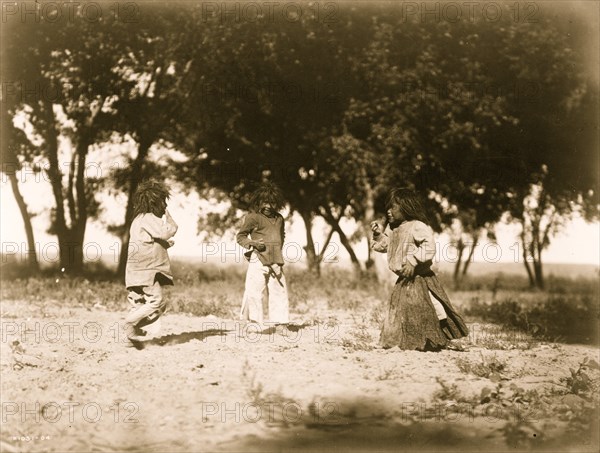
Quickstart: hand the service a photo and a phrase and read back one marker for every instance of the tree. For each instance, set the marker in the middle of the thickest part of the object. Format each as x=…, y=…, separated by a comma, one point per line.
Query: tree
x=553, y=146
x=14, y=143
x=268, y=92
x=472, y=112
x=422, y=122
x=64, y=84
x=155, y=110
x=99, y=83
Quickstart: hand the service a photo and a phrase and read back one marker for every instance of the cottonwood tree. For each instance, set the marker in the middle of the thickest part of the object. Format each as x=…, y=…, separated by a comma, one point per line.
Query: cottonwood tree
x=64, y=86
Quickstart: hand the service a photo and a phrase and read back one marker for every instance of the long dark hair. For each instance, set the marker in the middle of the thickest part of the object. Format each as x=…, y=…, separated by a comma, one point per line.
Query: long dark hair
x=409, y=203
x=267, y=192
x=150, y=197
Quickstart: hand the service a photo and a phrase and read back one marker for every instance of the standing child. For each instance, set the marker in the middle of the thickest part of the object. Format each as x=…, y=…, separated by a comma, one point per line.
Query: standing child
x=263, y=233
x=420, y=314
x=148, y=266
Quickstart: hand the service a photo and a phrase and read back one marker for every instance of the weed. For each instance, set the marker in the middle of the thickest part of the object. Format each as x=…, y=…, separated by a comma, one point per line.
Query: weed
x=491, y=367
x=579, y=382
x=521, y=433
x=378, y=314
x=387, y=374
x=448, y=392
x=358, y=340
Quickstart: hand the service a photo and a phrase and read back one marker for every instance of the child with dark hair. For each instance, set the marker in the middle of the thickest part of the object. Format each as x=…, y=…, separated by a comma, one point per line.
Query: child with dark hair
x=420, y=314
x=263, y=234
x=148, y=266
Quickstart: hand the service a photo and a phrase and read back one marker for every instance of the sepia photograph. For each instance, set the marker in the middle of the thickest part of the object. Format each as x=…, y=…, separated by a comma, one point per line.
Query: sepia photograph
x=300, y=226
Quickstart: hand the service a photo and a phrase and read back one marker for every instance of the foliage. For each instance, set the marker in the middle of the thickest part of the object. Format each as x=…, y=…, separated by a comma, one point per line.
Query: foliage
x=480, y=117
x=572, y=318
x=579, y=382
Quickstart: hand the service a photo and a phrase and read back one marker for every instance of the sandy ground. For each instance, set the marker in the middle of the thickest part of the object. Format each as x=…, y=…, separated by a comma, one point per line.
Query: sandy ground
x=209, y=384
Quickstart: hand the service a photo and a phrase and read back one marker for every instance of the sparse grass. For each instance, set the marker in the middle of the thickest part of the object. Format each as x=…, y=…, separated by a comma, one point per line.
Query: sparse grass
x=503, y=345
x=448, y=392
x=495, y=337
x=491, y=367
x=387, y=374
x=568, y=311
x=378, y=314
x=359, y=338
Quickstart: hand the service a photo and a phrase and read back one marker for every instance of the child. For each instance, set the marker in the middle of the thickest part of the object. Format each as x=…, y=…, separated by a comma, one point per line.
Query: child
x=148, y=266
x=263, y=233
x=420, y=314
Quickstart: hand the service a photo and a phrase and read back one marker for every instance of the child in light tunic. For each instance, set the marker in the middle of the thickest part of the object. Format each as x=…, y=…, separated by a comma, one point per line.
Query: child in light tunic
x=148, y=265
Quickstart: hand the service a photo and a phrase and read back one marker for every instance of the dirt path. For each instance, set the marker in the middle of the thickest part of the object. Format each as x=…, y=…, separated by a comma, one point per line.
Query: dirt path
x=209, y=384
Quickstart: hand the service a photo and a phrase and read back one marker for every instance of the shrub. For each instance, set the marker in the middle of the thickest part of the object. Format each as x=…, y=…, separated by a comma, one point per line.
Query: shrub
x=571, y=318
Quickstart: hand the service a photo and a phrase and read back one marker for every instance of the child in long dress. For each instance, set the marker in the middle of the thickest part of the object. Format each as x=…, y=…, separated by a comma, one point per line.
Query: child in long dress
x=148, y=265
x=263, y=233
x=420, y=314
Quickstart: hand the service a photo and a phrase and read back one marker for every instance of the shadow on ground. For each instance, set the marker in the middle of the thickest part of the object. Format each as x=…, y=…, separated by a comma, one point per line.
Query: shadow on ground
x=370, y=425
x=184, y=337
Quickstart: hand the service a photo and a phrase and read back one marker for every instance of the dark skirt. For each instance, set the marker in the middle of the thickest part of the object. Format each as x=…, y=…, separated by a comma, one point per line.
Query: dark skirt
x=412, y=322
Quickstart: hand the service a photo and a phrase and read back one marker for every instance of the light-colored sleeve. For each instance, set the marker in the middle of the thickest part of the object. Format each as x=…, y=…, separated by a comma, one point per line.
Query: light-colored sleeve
x=423, y=248
x=158, y=228
x=381, y=243
x=246, y=230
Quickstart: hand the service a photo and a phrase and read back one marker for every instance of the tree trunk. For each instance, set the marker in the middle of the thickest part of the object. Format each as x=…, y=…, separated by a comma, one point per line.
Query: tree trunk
x=313, y=261
x=71, y=252
x=70, y=239
x=460, y=247
x=80, y=223
x=325, y=245
x=55, y=177
x=471, y=253
x=31, y=253
x=539, y=275
x=537, y=263
x=343, y=239
x=369, y=217
x=525, y=262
